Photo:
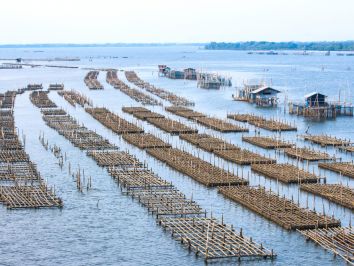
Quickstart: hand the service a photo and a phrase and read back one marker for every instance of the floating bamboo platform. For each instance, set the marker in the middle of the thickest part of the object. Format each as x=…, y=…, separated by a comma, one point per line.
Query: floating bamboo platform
x=166, y=202
x=273, y=125
x=114, y=158
x=184, y=112
x=113, y=121
x=278, y=210
x=10, y=144
x=56, y=87
x=40, y=99
x=12, y=156
x=132, y=110
x=306, y=154
x=349, y=148
x=267, y=142
x=337, y=193
x=196, y=168
x=171, y=126
x=19, y=171
x=325, y=140
x=22, y=196
x=138, y=179
x=145, y=140
x=212, y=239
x=219, y=124
x=243, y=157
x=162, y=93
x=244, y=117
x=91, y=81
x=286, y=173
x=112, y=79
x=148, y=114
x=339, y=241
x=344, y=168
x=50, y=112
x=208, y=143
x=74, y=97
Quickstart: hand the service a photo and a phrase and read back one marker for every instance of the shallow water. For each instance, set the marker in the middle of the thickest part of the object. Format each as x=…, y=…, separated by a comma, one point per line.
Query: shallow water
x=102, y=226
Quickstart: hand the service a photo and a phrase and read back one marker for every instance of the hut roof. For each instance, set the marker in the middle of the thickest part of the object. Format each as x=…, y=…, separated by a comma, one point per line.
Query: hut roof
x=314, y=93
x=264, y=88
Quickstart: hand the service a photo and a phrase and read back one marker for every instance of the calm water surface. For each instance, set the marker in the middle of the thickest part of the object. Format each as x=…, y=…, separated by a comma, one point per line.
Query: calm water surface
x=102, y=226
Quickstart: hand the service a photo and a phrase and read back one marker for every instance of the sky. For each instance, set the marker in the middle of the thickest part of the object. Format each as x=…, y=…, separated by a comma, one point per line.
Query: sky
x=181, y=21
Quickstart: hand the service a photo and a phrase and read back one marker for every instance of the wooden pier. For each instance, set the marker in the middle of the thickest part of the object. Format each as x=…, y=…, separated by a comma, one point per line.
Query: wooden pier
x=279, y=210
x=267, y=142
x=306, y=154
x=339, y=241
x=286, y=173
x=342, y=195
x=343, y=168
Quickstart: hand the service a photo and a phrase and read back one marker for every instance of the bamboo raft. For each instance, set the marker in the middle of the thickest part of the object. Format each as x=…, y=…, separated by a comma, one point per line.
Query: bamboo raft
x=166, y=202
x=10, y=143
x=349, y=148
x=243, y=157
x=219, y=124
x=7, y=100
x=145, y=140
x=112, y=79
x=339, y=241
x=161, y=198
x=344, y=168
x=171, y=126
x=73, y=97
x=23, y=196
x=50, y=112
x=278, y=210
x=212, y=239
x=159, y=92
x=207, y=142
x=306, y=154
x=196, y=168
x=325, y=140
x=132, y=110
x=273, y=125
x=114, y=158
x=286, y=173
x=91, y=81
x=19, y=171
x=138, y=179
x=40, y=99
x=244, y=117
x=267, y=142
x=12, y=156
x=113, y=121
x=146, y=115
x=184, y=112
x=56, y=87
x=337, y=193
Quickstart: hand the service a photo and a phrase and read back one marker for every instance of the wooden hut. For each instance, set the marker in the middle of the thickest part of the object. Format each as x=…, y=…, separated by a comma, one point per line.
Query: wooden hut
x=190, y=73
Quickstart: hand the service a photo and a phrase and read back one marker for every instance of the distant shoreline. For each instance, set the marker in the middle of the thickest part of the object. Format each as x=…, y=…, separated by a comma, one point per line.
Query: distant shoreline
x=296, y=46
x=74, y=45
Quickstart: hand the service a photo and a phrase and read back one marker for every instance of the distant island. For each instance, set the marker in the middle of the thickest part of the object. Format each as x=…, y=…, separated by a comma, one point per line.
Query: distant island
x=308, y=46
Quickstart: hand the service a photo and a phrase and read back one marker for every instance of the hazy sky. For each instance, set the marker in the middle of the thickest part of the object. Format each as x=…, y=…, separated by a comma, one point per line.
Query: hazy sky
x=101, y=21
